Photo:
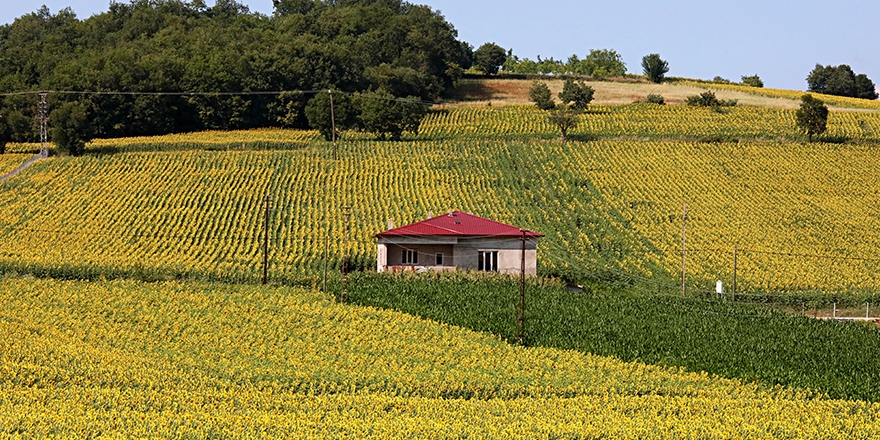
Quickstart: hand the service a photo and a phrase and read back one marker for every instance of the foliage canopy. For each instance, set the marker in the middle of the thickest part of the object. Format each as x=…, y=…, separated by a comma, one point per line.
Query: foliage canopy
x=812, y=116
x=226, y=63
x=654, y=67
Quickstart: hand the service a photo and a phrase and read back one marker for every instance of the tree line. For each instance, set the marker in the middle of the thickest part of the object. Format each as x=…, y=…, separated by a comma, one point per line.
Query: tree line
x=229, y=61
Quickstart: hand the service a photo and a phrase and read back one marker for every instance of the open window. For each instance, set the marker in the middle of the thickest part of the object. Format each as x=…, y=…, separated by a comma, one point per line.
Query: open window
x=410, y=256
x=488, y=261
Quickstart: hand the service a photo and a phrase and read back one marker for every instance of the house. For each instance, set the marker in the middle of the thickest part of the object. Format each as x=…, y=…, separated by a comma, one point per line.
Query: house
x=457, y=240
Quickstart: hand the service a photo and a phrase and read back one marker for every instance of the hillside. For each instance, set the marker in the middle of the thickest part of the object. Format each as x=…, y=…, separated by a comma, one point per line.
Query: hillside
x=111, y=358
x=629, y=90
x=803, y=216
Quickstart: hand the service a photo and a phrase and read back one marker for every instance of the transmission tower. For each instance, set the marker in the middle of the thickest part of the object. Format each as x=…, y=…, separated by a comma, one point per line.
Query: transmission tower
x=44, y=129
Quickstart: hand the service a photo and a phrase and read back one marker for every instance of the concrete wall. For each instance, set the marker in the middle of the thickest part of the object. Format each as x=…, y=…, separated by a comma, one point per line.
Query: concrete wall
x=461, y=253
x=509, y=254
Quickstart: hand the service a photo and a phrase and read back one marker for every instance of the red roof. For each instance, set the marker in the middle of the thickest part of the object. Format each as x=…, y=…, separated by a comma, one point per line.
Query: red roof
x=460, y=224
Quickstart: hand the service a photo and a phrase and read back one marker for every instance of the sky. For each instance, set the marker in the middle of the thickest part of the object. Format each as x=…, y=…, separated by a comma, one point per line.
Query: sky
x=781, y=41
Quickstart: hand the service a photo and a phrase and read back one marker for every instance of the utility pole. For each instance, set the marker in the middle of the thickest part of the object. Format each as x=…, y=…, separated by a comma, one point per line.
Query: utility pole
x=684, y=218
x=333, y=126
x=266, y=244
x=520, y=319
x=343, y=297
x=44, y=126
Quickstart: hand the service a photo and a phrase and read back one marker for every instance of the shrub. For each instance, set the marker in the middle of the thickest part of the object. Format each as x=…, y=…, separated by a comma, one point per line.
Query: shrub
x=708, y=99
x=540, y=94
x=754, y=81
x=655, y=99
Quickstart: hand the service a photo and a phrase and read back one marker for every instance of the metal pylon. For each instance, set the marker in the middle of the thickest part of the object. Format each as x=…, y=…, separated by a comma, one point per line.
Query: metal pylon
x=44, y=129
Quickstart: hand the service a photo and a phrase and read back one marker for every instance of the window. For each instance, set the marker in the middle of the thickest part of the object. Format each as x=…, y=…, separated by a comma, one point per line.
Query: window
x=488, y=261
x=410, y=256
x=438, y=260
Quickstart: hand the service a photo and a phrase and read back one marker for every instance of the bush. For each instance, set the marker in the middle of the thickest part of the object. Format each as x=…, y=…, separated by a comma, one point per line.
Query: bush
x=540, y=94
x=754, y=81
x=720, y=80
x=708, y=99
x=655, y=99
x=577, y=93
x=812, y=116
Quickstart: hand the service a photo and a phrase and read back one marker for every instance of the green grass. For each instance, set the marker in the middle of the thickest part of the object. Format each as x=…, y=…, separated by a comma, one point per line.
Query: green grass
x=724, y=338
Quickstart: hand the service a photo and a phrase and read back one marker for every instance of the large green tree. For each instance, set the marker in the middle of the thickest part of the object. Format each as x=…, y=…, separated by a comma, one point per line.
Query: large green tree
x=578, y=94
x=654, y=67
x=70, y=127
x=387, y=116
x=224, y=63
x=489, y=58
x=840, y=81
x=812, y=116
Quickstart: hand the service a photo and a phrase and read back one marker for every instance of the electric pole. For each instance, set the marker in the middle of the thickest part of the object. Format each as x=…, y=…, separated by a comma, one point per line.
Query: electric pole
x=520, y=319
x=44, y=126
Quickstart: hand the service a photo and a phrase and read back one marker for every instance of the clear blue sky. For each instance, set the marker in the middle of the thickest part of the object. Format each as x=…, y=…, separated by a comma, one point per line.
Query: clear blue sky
x=781, y=41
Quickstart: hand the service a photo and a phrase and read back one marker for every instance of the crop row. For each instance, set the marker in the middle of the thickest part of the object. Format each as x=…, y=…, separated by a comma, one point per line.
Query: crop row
x=173, y=359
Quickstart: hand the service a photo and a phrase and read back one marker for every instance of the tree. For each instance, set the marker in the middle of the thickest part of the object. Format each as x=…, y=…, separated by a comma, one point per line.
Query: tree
x=540, y=94
x=489, y=58
x=565, y=118
x=812, y=116
x=5, y=134
x=840, y=81
x=654, y=67
x=577, y=93
x=865, y=88
x=754, y=80
x=322, y=118
x=599, y=63
x=386, y=116
x=70, y=127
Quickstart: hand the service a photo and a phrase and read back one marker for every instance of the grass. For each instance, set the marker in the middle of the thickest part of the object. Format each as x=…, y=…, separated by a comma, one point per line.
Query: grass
x=724, y=338
x=516, y=91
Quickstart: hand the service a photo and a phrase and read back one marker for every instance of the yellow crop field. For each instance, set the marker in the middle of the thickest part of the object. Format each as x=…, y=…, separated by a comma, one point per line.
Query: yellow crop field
x=836, y=101
x=172, y=359
x=8, y=162
x=802, y=215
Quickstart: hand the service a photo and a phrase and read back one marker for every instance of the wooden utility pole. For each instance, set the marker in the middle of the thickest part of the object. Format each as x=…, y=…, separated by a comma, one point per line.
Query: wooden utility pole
x=521, y=310
x=683, y=245
x=343, y=297
x=333, y=126
x=266, y=244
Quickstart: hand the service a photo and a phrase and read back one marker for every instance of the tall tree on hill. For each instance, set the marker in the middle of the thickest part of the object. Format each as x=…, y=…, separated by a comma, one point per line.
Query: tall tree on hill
x=5, y=134
x=840, y=81
x=578, y=94
x=489, y=58
x=70, y=127
x=540, y=94
x=386, y=116
x=812, y=116
x=654, y=67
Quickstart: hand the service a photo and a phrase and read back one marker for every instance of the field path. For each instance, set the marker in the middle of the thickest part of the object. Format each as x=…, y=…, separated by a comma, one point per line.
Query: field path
x=21, y=167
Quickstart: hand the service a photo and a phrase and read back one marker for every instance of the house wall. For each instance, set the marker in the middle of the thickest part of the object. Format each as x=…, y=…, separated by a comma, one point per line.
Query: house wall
x=390, y=255
x=509, y=254
x=460, y=253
